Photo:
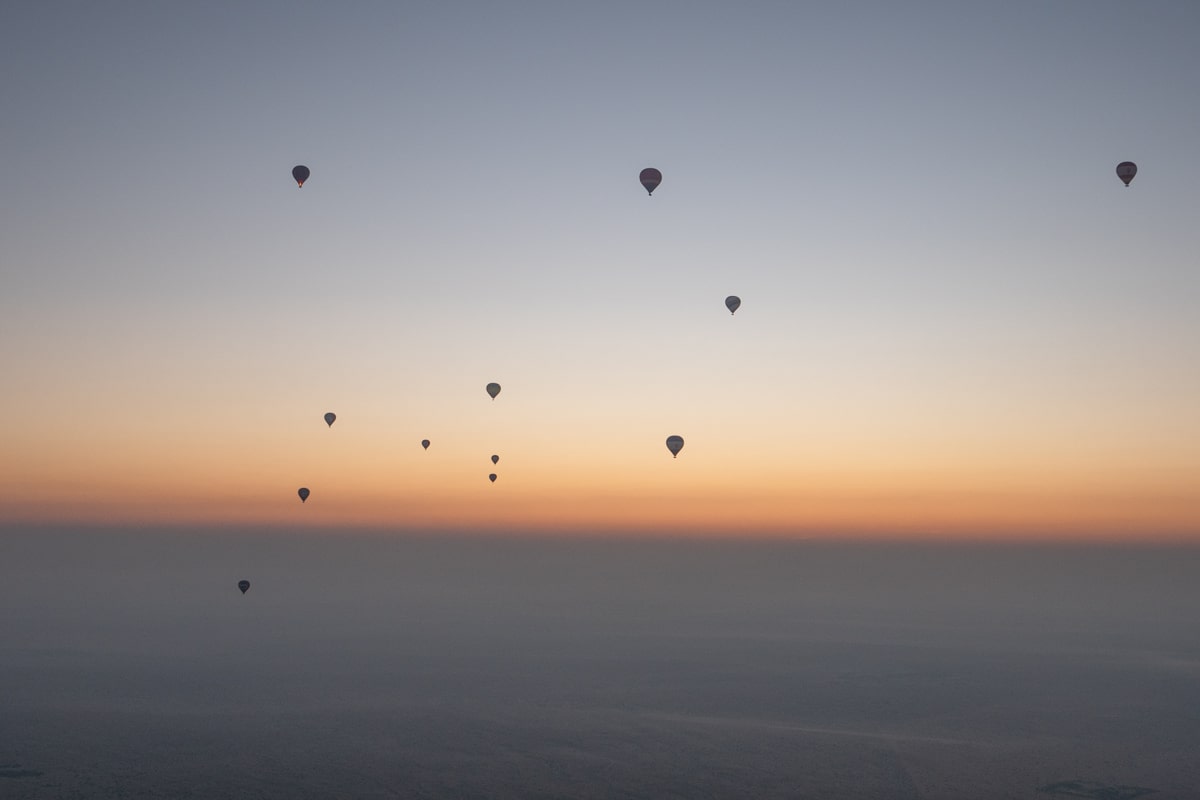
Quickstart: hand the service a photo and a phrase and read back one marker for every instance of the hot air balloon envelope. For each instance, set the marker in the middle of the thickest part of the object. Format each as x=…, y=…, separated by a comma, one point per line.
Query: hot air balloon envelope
x=425, y=443
x=243, y=585
x=650, y=178
x=732, y=302
x=492, y=477
x=1126, y=170
x=675, y=444
x=329, y=418
x=303, y=494
x=493, y=389
x=300, y=173
x=495, y=459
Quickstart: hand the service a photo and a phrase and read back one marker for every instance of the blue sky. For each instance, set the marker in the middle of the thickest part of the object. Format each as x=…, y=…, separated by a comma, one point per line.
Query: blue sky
x=916, y=203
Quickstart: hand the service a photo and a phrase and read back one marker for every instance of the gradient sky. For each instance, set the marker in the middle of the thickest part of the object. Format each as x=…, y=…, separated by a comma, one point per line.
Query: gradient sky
x=955, y=319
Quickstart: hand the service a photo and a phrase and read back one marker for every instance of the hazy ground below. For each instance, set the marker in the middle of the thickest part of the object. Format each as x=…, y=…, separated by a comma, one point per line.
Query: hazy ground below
x=132, y=667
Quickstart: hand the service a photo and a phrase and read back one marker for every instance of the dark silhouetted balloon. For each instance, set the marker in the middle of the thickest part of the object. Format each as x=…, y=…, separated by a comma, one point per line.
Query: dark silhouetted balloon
x=1126, y=170
x=300, y=173
x=243, y=585
x=732, y=302
x=675, y=444
x=650, y=178
x=304, y=493
x=492, y=477
x=425, y=443
x=329, y=418
x=495, y=459
x=493, y=389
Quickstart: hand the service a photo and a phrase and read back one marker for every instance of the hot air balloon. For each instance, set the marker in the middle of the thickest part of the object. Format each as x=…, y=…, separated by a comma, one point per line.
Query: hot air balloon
x=732, y=302
x=492, y=477
x=300, y=173
x=675, y=444
x=493, y=389
x=304, y=493
x=425, y=443
x=243, y=585
x=495, y=459
x=650, y=178
x=1125, y=171
x=329, y=418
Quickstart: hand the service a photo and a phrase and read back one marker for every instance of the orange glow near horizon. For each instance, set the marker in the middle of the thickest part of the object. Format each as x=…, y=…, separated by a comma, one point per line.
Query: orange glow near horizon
x=1002, y=449
x=361, y=483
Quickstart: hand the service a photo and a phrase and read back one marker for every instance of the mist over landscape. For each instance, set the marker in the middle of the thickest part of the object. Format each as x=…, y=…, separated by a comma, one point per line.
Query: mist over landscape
x=423, y=666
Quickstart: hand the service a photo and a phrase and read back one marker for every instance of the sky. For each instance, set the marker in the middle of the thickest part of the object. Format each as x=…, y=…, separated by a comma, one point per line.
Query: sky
x=955, y=320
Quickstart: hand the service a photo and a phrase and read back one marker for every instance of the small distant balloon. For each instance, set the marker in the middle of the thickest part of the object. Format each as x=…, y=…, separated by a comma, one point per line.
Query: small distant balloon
x=493, y=389
x=425, y=443
x=492, y=477
x=1125, y=171
x=495, y=459
x=329, y=418
x=650, y=178
x=304, y=493
x=300, y=173
x=675, y=444
x=732, y=302
x=244, y=586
